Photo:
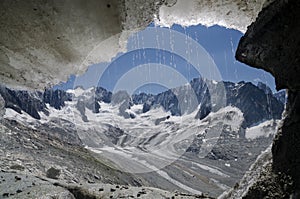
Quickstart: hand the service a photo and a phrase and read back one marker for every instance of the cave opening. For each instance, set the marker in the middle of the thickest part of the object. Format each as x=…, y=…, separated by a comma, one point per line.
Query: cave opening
x=19, y=114
x=129, y=90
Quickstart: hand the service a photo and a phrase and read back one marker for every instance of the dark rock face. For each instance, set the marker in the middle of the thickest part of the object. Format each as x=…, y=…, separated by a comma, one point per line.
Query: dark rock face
x=203, y=96
x=103, y=95
x=169, y=101
x=279, y=182
x=35, y=102
x=253, y=102
x=56, y=98
x=142, y=98
x=114, y=134
x=272, y=43
x=286, y=147
x=30, y=103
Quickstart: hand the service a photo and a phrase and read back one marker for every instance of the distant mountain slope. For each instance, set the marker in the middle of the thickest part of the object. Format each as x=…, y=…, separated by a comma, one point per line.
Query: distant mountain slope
x=255, y=104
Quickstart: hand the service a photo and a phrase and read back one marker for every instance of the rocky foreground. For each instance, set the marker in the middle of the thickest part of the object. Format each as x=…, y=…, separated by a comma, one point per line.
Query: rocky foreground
x=37, y=164
x=17, y=184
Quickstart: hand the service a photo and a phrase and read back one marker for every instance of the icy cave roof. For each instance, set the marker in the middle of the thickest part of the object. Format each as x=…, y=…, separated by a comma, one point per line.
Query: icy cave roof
x=43, y=43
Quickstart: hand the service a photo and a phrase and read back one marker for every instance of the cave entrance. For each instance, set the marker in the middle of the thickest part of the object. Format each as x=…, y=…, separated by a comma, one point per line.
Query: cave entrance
x=218, y=123
x=184, y=82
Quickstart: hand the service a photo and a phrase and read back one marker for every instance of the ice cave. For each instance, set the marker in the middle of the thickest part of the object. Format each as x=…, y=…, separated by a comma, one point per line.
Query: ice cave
x=43, y=42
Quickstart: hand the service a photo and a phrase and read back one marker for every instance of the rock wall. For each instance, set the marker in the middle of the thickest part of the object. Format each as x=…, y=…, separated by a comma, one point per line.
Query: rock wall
x=272, y=43
x=286, y=146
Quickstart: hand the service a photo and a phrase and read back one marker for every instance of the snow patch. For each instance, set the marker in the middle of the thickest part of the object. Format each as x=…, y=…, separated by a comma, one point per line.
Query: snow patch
x=211, y=170
x=265, y=129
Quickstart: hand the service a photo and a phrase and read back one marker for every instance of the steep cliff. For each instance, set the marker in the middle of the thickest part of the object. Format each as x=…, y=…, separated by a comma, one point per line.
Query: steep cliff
x=272, y=43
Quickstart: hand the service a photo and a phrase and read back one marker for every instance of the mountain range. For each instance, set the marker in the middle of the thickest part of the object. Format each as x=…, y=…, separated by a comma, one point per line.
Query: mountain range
x=172, y=140
x=257, y=103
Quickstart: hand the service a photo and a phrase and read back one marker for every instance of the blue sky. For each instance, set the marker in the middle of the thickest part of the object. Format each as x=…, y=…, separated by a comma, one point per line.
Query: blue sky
x=143, y=66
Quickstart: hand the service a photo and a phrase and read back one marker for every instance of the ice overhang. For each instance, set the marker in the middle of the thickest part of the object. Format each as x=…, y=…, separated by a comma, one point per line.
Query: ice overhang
x=43, y=42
